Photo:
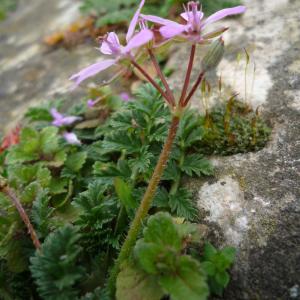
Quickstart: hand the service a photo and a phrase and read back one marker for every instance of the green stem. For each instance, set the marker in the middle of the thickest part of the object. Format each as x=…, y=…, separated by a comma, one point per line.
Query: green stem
x=145, y=204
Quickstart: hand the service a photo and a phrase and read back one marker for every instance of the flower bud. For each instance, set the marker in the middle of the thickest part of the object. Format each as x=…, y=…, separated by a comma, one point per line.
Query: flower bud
x=214, y=55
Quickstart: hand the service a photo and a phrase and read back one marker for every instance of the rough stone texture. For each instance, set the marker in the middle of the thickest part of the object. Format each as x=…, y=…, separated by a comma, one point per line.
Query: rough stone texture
x=30, y=72
x=254, y=203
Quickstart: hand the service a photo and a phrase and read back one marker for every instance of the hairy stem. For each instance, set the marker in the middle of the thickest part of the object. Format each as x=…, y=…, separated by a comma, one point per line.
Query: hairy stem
x=162, y=77
x=145, y=204
x=12, y=196
x=152, y=81
x=188, y=74
x=194, y=88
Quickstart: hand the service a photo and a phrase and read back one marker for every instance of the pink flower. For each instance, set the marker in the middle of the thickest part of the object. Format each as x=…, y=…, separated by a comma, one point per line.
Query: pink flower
x=194, y=24
x=60, y=120
x=111, y=46
x=125, y=96
x=71, y=138
x=91, y=103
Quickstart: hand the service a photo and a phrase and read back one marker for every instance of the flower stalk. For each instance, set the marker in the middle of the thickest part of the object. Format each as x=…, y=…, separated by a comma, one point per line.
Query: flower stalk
x=162, y=77
x=188, y=74
x=146, y=202
x=151, y=80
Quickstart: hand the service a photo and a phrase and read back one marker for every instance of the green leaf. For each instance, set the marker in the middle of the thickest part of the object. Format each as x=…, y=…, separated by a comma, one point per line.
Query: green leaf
x=161, y=230
x=142, y=162
x=209, y=252
x=29, y=140
x=49, y=140
x=147, y=255
x=124, y=192
x=172, y=172
x=55, y=267
x=120, y=141
x=41, y=213
x=133, y=283
x=76, y=161
x=38, y=114
x=209, y=268
x=222, y=278
x=27, y=149
x=195, y=163
x=22, y=175
x=182, y=204
x=229, y=253
x=188, y=282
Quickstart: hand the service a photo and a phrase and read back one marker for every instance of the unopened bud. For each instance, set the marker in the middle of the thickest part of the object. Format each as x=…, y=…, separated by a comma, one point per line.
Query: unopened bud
x=214, y=55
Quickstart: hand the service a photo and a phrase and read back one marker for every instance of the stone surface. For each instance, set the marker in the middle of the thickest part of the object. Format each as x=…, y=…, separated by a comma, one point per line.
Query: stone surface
x=254, y=201
x=31, y=72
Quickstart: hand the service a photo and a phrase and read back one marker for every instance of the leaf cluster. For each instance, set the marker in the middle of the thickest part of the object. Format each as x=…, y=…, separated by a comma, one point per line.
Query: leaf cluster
x=94, y=189
x=216, y=264
x=162, y=267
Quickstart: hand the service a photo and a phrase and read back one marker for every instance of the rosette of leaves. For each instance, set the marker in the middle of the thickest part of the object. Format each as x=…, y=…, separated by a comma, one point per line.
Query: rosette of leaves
x=161, y=266
x=216, y=264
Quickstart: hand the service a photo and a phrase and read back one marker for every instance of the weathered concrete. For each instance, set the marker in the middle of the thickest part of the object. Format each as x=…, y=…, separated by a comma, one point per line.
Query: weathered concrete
x=254, y=201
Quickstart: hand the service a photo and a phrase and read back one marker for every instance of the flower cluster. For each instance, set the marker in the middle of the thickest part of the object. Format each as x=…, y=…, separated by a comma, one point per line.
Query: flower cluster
x=191, y=29
x=60, y=120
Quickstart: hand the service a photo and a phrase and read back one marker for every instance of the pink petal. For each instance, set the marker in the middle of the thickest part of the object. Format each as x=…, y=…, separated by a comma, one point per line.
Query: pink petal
x=55, y=114
x=134, y=21
x=112, y=45
x=70, y=120
x=158, y=20
x=170, y=31
x=92, y=70
x=91, y=103
x=190, y=15
x=140, y=39
x=72, y=138
x=223, y=14
x=125, y=96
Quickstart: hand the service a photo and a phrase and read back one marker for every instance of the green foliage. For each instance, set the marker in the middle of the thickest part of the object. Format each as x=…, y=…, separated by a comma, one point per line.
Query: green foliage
x=216, y=264
x=162, y=268
x=54, y=268
x=97, y=187
x=96, y=218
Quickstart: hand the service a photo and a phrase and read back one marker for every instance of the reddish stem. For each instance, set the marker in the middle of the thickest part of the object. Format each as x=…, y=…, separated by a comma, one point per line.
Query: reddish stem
x=6, y=190
x=162, y=77
x=188, y=74
x=151, y=80
x=194, y=88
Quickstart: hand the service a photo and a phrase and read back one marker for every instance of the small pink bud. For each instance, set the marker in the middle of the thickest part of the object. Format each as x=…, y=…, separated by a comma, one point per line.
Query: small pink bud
x=91, y=103
x=125, y=96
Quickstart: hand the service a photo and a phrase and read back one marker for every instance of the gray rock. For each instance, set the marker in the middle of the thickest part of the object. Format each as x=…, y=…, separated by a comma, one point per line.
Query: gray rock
x=30, y=72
